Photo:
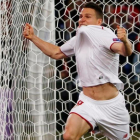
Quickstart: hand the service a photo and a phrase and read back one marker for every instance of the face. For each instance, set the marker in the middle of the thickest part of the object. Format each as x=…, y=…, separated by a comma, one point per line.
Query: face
x=88, y=17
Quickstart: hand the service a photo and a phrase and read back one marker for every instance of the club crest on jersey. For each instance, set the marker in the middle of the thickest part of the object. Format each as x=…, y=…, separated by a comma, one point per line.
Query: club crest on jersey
x=80, y=102
x=116, y=39
x=101, y=77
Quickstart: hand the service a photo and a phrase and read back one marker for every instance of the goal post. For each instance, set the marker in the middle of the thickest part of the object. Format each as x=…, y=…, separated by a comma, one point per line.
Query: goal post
x=41, y=75
x=37, y=92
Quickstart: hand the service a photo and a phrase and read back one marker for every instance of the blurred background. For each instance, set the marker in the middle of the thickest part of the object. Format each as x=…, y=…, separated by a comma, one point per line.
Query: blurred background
x=37, y=92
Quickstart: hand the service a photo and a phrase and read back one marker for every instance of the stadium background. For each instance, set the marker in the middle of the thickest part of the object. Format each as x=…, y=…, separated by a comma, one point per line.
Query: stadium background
x=37, y=92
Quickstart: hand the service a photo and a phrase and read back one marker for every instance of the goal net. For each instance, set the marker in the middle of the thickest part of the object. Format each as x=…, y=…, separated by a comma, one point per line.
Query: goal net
x=36, y=92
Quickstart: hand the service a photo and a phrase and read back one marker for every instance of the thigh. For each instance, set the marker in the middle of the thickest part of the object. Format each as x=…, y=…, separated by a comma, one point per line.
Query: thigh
x=118, y=132
x=76, y=126
x=115, y=122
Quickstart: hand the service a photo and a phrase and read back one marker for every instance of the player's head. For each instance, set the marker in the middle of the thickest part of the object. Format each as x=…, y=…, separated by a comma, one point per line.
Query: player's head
x=91, y=14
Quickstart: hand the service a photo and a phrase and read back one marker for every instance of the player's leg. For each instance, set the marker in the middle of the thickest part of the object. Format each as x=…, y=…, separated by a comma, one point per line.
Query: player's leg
x=115, y=119
x=75, y=127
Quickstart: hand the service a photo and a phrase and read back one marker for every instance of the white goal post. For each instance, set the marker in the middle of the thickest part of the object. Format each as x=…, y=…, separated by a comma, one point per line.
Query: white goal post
x=36, y=92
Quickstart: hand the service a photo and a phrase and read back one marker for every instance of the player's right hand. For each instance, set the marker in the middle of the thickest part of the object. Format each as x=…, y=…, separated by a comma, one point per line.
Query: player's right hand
x=28, y=31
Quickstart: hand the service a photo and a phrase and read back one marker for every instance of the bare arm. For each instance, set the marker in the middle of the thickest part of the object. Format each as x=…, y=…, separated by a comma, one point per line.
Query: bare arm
x=124, y=48
x=49, y=49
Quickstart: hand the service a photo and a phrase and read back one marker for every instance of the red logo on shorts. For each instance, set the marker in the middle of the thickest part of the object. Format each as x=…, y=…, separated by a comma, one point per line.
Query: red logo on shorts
x=125, y=136
x=80, y=102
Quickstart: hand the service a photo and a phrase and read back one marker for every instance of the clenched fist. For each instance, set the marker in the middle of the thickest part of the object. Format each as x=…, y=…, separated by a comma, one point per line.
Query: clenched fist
x=28, y=31
x=121, y=33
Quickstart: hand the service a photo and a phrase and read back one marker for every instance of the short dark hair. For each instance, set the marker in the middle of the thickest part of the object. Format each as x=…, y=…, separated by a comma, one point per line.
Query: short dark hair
x=97, y=8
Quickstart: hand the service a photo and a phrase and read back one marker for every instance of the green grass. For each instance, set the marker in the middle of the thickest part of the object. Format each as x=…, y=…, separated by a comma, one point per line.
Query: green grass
x=88, y=136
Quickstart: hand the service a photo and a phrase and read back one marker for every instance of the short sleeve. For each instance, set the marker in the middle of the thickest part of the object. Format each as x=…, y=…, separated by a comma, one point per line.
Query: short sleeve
x=68, y=47
x=110, y=39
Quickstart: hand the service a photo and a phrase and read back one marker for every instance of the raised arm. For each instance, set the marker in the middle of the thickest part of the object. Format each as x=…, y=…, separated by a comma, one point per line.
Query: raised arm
x=124, y=48
x=49, y=49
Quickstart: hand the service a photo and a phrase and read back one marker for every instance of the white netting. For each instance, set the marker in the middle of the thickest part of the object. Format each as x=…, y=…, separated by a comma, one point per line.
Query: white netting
x=30, y=107
x=27, y=95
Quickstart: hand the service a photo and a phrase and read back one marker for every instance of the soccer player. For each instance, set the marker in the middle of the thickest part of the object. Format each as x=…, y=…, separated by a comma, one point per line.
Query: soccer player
x=97, y=50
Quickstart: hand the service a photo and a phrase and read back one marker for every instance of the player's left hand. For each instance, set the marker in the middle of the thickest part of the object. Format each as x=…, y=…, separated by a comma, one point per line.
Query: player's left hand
x=121, y=33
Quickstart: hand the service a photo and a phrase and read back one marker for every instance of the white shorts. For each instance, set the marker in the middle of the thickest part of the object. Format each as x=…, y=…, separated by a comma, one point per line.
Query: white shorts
x=110, y=116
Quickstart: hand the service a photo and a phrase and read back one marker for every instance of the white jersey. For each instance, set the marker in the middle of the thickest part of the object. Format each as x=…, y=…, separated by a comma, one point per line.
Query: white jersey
x=96, y=63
